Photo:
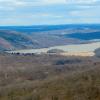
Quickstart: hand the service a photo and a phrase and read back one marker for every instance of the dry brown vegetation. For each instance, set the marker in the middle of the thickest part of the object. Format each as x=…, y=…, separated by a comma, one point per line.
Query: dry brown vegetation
x=49, y=77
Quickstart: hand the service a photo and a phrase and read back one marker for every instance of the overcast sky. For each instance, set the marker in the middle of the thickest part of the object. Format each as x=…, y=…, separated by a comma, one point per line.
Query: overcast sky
x=37, y=12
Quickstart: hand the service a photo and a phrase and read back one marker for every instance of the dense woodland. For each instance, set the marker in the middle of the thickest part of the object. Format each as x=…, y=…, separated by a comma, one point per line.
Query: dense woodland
x=49, y=77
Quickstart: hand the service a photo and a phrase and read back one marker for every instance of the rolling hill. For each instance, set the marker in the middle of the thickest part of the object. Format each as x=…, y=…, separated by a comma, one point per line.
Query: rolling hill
x=13, y=40
x=34, y=37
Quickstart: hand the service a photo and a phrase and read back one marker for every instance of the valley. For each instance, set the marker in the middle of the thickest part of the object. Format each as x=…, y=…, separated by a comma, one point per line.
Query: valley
x=49, y=50
x=60, y=62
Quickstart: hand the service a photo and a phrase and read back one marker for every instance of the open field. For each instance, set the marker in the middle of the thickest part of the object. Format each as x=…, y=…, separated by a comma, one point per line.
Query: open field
x=70, y=50
x=84, y=54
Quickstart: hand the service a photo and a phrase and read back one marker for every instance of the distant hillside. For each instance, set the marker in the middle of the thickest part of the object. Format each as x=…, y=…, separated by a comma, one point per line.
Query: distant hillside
x=85, y=36
x=12, y=40
x=30, y=37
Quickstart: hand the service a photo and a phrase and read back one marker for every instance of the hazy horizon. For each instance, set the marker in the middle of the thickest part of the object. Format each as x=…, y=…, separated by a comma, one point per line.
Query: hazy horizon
x=50, y=25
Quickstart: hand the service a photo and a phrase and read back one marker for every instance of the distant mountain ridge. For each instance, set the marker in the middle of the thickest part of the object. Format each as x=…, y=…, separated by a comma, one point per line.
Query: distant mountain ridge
x=42, y=28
